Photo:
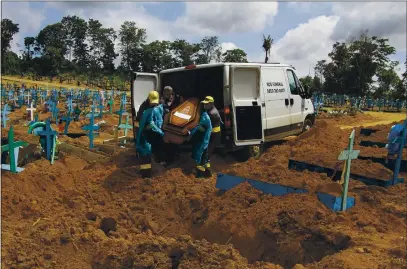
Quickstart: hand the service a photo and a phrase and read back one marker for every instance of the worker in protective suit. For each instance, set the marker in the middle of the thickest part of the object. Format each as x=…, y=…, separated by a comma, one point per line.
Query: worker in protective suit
x=216, y=121
x=149, y=135
x=393, y=148
x=200, y=137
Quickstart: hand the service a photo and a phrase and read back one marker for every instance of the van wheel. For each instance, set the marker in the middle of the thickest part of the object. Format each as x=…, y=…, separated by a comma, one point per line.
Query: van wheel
x=307, y=125
x=248, y=152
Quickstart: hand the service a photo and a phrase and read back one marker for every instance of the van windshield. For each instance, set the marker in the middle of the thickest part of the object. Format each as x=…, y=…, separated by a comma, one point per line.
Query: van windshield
x=197, y=83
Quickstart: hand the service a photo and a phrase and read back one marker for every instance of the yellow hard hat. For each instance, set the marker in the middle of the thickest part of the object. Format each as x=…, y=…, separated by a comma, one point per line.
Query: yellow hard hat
x=153, y=97
x=208, y=99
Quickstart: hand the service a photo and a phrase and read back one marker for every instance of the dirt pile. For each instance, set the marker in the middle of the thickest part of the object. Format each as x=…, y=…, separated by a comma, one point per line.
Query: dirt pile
x=322, y=146
x=75, y=214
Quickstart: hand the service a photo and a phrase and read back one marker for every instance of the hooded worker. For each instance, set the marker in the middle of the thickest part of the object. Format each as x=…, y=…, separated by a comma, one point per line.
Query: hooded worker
x=393, y=148
x=200, y=136
x=149, y=136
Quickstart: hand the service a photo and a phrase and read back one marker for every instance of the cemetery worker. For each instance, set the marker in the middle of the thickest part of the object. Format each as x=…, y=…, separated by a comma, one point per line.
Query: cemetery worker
x=216, y=120
x=169, y=99
x=393, y=148
x=200, y=136
x=149, y=136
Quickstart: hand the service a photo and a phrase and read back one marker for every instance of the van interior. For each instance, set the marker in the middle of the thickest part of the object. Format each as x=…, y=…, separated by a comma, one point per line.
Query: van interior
x=197, y=83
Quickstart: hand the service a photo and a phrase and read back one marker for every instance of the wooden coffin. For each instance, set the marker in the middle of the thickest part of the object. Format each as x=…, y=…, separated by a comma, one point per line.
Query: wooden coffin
x=180, y=120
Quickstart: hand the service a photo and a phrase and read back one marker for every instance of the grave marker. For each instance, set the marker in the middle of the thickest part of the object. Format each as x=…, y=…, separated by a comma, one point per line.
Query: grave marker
x=49, y=138
x=91, y=127
x=31, y=110
x=13, y=150
x=347, y=155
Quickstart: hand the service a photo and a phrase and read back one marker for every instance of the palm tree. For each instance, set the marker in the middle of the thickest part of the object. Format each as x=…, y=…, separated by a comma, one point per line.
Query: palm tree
x=267, y=43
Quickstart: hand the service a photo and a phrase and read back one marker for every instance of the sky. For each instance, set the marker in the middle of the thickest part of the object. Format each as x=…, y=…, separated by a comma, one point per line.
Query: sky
x=303, y=32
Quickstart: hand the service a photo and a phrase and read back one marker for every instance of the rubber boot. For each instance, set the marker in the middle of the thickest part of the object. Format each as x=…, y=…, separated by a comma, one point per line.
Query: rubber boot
x=146, y=173
x=207, y=173
x=200, y=171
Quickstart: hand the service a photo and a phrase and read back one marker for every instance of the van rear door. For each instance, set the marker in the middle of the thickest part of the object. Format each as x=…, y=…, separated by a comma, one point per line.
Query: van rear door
x=246, y=103
x=141, y=85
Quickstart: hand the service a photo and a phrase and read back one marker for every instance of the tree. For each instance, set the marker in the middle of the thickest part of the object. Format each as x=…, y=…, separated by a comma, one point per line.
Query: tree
x=8, y=30
x=156, y=56
x=75, y=29
x=184, y=52
x=316, y=84
x=210, y=50
x=131, y=38
x=234, y=56
x=102, y=46
x=307, y=82
x=11, y=63
x=29, y=43
x=354, y=64
x=52, y=48
x=267, y=43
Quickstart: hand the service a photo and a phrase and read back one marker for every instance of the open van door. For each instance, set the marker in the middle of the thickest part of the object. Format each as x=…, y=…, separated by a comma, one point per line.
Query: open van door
x=141, y=84
x=246, y=103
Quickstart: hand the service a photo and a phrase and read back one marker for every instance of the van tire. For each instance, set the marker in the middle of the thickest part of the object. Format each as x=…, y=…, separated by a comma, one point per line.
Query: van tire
x=307, y=125
x=248, y=152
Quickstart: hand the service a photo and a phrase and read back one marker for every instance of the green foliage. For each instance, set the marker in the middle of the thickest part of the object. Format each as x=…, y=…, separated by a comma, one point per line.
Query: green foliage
x=234, y=56
x=83, y=52
x=354, y=64
x=210, y=50
x=131, y=38
x=267, y=43
x=11, y=63
x=8, y=30
x=185, y=53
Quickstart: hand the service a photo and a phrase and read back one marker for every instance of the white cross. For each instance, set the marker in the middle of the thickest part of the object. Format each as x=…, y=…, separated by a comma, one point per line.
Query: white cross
x=31, y=109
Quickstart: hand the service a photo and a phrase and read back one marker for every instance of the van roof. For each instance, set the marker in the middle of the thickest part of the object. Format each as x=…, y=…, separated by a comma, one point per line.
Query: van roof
x=226, y=64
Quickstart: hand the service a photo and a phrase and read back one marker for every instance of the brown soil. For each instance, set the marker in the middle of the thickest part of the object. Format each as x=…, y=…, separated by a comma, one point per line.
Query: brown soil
x=53, y=216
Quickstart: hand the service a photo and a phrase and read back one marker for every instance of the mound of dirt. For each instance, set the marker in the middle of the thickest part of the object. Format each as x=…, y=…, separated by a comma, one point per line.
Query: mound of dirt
x=75, y=214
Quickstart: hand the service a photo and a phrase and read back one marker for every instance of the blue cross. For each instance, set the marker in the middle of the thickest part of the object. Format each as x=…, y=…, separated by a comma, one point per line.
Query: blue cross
x=67, y=119
x=91, y=127
x=55, y=111
x=49, y=138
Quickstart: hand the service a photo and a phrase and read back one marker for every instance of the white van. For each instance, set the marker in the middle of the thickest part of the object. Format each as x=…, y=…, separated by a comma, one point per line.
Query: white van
x=258, y=102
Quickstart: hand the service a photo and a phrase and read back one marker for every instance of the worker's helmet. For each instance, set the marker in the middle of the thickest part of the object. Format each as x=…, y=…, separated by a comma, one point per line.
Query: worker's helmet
x=208, y=99
x=153, y=97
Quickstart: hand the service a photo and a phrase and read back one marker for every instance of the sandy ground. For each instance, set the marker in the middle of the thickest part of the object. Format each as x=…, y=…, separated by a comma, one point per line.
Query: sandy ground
x=76, y=214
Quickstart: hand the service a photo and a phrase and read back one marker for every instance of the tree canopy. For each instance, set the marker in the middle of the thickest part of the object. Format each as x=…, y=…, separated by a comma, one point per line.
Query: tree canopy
x=85, y=51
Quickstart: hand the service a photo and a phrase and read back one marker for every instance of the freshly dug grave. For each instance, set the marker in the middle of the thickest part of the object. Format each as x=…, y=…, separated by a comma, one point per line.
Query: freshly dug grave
x=381, y=135
x=322, y=146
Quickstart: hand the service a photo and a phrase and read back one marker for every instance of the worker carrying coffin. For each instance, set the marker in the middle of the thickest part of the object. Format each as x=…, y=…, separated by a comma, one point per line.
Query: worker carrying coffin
x=205, y=137
x=216, y=121
x=149, y=136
